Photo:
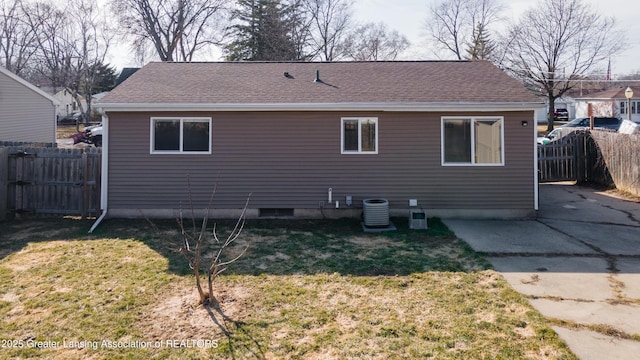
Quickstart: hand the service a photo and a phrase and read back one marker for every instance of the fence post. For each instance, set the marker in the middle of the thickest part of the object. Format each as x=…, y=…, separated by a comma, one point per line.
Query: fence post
x=580, y=154
x=85, y=187
x=4, y=182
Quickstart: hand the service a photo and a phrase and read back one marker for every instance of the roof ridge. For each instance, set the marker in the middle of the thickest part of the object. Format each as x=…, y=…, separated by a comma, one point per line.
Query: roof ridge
x=314, y=62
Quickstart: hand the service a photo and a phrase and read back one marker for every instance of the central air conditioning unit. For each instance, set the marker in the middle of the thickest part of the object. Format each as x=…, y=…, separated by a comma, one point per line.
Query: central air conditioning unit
x=376, y=212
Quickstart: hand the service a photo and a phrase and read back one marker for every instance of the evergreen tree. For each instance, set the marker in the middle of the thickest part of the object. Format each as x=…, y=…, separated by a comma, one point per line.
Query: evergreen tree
x=263, y=32
x=105, y=78
x=481, y=47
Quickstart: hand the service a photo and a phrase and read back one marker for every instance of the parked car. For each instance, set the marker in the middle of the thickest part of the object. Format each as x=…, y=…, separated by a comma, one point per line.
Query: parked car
x=600, y=122
x=553, y=135
x=561, y=114
x=70, y=119
x=90, y=135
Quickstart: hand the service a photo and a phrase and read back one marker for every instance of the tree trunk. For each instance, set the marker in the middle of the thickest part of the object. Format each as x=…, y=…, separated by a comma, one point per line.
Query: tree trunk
x=212, y=298
x=552, y=107
x=203, y=296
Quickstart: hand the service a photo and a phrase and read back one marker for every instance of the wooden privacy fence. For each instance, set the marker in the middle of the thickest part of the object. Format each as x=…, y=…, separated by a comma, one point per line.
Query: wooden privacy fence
x=562, y=160
x=50, y=181
x=598, y=156
x=615, y=160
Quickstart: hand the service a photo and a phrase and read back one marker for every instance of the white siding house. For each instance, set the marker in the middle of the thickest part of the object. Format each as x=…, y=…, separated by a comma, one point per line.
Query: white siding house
x=611, y=102
x=26, y=113
x=68, y=104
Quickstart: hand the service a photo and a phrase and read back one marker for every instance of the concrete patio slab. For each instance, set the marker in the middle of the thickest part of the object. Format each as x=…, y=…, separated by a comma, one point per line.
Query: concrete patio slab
x=562, y=277
x=579, y=261
x=629, y=275
x=515, y=236
x=566, y=201
x=612, y=239
x=621, y=317
x=590, y=345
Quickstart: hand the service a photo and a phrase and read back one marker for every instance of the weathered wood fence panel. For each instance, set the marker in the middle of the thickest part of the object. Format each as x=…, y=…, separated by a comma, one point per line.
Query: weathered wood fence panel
x=615, y=160
x=50, y=181
x=598, y=156
x=560, y=160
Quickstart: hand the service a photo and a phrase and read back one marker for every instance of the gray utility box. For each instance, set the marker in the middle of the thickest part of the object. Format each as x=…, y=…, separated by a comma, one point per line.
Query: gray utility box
x=417, y=219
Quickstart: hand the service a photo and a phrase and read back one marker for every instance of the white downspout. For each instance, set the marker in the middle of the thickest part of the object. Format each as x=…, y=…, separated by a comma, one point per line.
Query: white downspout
x=104, y=177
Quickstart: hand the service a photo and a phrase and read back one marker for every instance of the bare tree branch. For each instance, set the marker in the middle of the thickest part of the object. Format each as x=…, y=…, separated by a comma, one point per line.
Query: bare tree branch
x=557, y=42
x=451, y=23
x=373, y=41
x=178, y=30
x=17, y=38
x=331, y=21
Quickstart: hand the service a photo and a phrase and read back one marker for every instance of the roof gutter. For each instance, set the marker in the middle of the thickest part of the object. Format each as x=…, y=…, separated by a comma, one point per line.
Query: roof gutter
x=390, y=107
x=104, y=176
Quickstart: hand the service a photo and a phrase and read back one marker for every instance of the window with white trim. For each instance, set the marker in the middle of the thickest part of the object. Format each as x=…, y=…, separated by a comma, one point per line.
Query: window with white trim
x=180, y=135
x=359, y=135
x=472, y=141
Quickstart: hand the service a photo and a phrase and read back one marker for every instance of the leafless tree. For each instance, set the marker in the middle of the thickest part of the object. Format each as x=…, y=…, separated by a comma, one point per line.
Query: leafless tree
x=372, y=42
x=17, y=38
x=176, y=29
x=330, y=22
x=556, y=42
x=196, y=243
x=451, y=23
x=70, y=42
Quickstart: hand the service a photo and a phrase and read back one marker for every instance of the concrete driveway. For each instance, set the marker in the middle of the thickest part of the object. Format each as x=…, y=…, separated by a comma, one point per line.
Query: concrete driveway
x=578, y=263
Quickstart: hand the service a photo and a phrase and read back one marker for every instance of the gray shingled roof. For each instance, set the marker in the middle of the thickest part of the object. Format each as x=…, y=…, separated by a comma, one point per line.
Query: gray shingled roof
x=615, y=93
x=341, y=82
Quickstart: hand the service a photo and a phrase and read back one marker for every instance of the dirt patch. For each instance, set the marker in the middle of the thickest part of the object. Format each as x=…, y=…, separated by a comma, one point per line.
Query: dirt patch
x=10, y=297
x=179, y=316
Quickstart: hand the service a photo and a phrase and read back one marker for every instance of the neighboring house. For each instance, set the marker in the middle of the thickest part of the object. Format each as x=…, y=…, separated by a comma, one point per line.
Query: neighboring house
x=565, y=102
x=68, y=104
x=26, y=113
x=610, y=102
x=457, y=136
x=124, y=74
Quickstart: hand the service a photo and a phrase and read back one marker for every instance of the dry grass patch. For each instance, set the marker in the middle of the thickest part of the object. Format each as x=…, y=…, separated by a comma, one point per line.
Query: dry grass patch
x=304, y=290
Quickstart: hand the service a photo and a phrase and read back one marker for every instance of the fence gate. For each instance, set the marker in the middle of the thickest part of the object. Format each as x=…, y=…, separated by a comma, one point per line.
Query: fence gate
x=562, y=160
x=50, y=181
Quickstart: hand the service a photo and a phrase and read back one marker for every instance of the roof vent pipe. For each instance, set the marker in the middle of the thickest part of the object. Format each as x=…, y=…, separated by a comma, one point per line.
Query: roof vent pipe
x=317, y=76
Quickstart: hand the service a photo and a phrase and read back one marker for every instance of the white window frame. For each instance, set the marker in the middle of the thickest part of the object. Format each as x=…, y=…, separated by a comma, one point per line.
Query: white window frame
x=182, y=121
x=473, y=120
x=360, y=120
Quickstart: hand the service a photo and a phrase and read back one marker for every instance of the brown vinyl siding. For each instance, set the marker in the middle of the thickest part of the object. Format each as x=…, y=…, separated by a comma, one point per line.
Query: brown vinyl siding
x=290, y=159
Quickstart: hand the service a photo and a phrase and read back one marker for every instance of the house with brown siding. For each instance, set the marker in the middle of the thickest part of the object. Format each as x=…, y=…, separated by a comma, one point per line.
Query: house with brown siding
x=27, y=113
x=316, y=139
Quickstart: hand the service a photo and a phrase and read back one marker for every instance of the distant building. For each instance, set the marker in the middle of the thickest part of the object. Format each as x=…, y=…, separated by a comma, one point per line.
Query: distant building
x=28, y=113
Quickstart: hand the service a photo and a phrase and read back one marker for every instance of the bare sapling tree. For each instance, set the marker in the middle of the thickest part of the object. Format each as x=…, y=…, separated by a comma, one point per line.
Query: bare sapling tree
x=206, y=251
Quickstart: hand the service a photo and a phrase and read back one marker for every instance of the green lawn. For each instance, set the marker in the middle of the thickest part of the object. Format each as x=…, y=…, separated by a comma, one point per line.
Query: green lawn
x=304, y=290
